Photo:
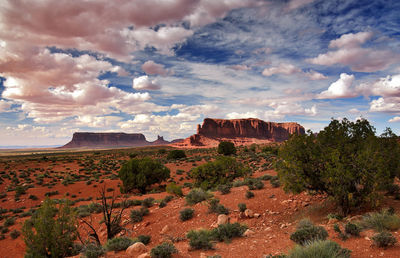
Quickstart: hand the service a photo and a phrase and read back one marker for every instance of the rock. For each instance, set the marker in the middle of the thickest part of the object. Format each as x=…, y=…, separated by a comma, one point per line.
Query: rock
x=248, y=233
x=203, y=255
x=249, y=213
x=241, y=215
x=165, y=229
x=145, y=255
x=136, y=249
x=240, y=129
x=257, y=215
x=332, y=221
x=222, y=219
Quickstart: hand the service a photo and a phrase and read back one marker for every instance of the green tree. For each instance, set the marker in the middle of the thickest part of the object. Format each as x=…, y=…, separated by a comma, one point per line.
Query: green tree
x=176, y=154
x=346, y=161
x=140, y=173
x=221, y=171
x=51, y=231
x=226, y=148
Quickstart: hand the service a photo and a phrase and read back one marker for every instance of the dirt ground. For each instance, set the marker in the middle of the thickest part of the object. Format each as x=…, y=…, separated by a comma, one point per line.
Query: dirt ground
x=278, y=211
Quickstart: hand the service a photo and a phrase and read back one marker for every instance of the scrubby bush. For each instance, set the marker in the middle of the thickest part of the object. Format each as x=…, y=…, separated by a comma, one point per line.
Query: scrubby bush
x=226, y=148
x=92, y=250
x=137, y=215
x=221, y=171
x=15, y=234
x=242, y=207
x=226, y=232
x=254, y=183
x=319, y=249
x=119, y=243
x=384, y=239
x=165, y=250
x=162, y=204
x=216, y=207
x=51, y=230
x=346, y=161
x=140, y=173
x=306, y=232
x=176, y=154
x=224, y=189
x=200, y=239
x=249, y=194
x=341, y=234
x=352, y=229
x=145, y=239
x=381, y=221
x=186, y=214
x=148, y=202
x=274, y=181
x=175, y=189
x=197, y=195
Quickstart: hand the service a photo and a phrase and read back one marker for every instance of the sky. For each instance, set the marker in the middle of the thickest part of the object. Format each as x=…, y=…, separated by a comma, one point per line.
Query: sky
x=159, y=67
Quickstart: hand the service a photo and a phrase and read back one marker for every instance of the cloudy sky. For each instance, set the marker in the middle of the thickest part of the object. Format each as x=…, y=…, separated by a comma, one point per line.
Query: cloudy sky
x=162, y=66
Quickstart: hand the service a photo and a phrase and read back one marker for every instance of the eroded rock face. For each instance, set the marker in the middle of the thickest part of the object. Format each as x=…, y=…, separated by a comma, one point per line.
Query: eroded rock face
x=250, y=128
x=241, y=132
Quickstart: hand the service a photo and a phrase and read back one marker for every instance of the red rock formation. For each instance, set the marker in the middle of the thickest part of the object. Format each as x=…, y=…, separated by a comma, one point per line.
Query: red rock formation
x=99, y=140
x=241, y=131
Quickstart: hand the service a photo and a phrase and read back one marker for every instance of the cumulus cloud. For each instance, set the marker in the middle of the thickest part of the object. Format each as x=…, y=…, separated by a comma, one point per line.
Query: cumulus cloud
x=394, y=119
x=145, y=83
x=289, y=69
x=340, y=88
x=97, y=121
x=388, y=86
x=283, y=68
x=150, y=67
x=4, y=105
x=349, y=52
x=389, y=105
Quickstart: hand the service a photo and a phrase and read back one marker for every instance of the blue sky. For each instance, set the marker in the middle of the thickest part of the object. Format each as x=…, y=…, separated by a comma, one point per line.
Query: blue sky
x=160, y=67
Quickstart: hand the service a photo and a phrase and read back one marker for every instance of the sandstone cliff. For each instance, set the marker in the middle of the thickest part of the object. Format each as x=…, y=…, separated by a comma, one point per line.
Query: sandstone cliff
x=241, y=132
x=110, y=140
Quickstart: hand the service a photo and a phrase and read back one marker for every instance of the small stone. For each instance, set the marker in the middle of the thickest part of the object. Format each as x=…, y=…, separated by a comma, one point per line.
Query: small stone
x=203, y=255
x=248, y=233
x=145, y=255
x=367, y=238
x=257, y=215
x=249, y=213
x=165, y=229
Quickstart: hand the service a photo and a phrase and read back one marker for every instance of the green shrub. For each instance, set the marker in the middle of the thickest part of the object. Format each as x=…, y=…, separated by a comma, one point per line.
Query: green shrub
x=9, y=222
x=137, y=215
x=165, y=250
x=216, y=207
x=175, y=189
x=226, y=148
x=307, y=232
x=249, y=194
x=92, y=250
x=168, y=198
x=381, y=221
x=140, y=173
x=200, y=239
x=274, y=181
x=319, y=249
x=145, y=239
x=176, y=154
x=186, y=214
x=119, y=243
x=15, y=234
x=226, y=232
x=50, y=230
x=242, y=207
x=342, y=235
x=224, y=189
x=33, y=197
x=148, y=202
x=352, y=229
x=197, y=195
x=221, y=171
x=345, y=160
x=162, y=204
x=384, y=239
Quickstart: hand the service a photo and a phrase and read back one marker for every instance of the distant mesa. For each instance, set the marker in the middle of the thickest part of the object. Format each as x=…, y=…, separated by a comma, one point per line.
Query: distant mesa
x=111, y=140
x=240, y=132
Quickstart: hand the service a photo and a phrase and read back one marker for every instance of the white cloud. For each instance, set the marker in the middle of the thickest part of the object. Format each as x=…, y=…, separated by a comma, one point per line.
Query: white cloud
x=145, y=83
x=150, y=67
x=389, y=104
x=340, y=88
x=4, y=105
x=294, y=4
x=313, y=75
x=359, y=59
x=394, y=119
x=388, y=86
x=283, y=68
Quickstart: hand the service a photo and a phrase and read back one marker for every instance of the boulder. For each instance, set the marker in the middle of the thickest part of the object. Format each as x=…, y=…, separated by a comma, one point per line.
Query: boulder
x=222, y=219
x=249, y=213
x=145, y=255
x=248, y=232
x=136, y=249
